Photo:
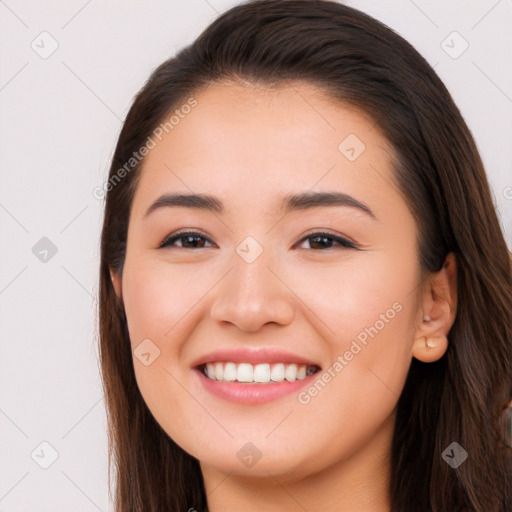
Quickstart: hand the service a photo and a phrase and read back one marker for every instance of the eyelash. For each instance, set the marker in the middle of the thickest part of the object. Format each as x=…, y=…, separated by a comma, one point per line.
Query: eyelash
x=343, y=242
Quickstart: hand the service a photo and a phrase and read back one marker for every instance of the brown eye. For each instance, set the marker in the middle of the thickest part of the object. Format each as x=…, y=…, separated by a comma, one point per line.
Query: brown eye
x=189, y=240
x=326, y=240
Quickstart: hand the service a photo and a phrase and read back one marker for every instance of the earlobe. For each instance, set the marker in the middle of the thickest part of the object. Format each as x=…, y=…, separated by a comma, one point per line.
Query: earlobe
x=439, y=306
x=429, y=349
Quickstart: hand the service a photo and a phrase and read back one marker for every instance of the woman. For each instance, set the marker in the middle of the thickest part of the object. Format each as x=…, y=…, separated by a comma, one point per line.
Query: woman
x=305, y=294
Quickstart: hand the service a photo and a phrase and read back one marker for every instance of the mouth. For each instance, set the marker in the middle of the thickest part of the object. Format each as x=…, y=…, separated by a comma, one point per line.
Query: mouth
x=261, y=373
x=253, y=376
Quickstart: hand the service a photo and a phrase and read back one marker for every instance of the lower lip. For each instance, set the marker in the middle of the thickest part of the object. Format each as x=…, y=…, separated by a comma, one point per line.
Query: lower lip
x=252, y=393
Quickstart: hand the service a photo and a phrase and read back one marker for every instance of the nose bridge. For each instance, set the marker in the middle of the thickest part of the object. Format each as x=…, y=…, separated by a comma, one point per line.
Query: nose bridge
x=251, y=293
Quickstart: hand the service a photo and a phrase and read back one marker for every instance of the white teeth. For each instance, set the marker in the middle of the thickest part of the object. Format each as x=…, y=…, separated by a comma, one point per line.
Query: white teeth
x=210, y=370
x=244, y=372
x=230, y=372
x=219, y=371
x=277, y=374
x=290, y=373
x=262, y=373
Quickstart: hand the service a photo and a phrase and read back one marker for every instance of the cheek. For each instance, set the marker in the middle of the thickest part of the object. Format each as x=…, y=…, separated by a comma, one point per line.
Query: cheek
x=350, y=295
x=368, y=308
x=156, y=301
x=162, y=304
x=358, y=391
x=157, y=298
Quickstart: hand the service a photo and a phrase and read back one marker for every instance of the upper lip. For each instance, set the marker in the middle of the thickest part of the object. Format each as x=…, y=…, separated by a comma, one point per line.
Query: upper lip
x=253, y=356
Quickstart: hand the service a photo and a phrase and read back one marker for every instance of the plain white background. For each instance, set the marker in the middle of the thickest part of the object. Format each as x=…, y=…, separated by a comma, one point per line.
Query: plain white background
x=60, y=117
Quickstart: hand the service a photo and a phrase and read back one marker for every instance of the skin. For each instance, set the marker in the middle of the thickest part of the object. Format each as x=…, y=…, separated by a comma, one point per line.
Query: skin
x=249, y=146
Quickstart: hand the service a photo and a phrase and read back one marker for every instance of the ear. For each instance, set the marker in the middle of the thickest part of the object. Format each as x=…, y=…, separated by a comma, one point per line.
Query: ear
x=117, y=284
x=438, y=308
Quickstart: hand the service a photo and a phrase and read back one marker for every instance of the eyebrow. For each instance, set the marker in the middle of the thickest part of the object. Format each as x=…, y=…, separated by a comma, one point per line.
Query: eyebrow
x=294, y=202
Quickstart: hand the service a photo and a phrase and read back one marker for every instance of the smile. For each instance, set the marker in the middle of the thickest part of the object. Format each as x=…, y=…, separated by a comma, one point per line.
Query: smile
x=262, y=373
x=253, y=375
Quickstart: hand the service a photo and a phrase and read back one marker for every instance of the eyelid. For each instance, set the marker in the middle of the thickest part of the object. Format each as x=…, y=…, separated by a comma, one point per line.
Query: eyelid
x=188, y=231
x=321, y=231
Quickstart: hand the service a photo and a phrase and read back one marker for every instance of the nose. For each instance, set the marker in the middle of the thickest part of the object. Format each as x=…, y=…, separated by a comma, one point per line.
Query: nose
x=252, y=295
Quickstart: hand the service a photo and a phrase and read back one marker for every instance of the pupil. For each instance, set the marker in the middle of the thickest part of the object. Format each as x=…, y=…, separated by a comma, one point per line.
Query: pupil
x=190, y=239
x=324, y=238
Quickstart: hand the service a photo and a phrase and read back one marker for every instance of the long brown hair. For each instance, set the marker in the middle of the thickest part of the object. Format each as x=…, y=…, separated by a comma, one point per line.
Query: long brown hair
x=358, y=61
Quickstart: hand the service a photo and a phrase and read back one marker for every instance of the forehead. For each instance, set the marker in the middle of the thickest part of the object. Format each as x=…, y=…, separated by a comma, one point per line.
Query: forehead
x=245, y=140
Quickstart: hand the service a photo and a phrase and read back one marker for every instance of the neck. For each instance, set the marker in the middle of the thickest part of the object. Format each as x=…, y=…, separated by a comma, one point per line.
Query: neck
x=357, y=484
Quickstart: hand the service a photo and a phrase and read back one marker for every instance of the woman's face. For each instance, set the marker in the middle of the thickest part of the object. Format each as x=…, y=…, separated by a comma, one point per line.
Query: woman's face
x=257, y=293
